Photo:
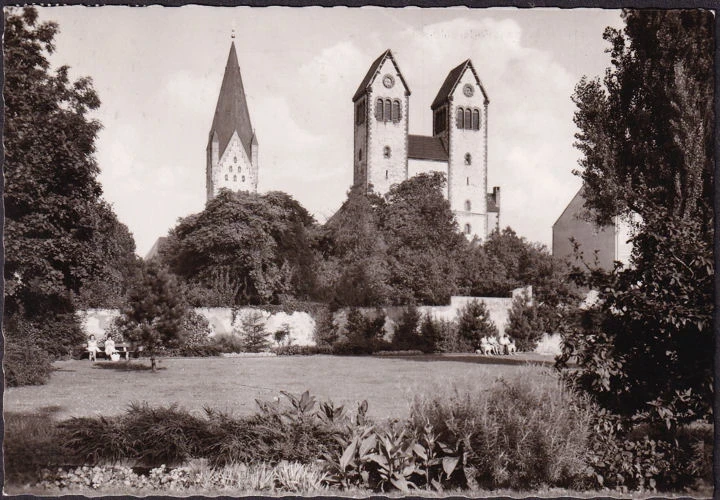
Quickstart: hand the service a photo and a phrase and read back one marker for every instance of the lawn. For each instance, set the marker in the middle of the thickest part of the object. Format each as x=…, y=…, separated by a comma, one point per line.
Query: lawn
x=79, y=388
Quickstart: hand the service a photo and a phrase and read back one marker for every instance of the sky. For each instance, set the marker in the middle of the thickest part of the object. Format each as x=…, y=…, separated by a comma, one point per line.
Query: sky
x=158, y=72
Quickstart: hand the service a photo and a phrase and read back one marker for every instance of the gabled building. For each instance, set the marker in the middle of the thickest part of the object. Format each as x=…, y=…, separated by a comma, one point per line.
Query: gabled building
x=574, y=226
x=232, y=149
x=385, y=153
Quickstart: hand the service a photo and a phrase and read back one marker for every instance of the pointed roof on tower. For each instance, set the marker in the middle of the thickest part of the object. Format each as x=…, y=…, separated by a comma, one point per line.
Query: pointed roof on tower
x=452, y=80
x=373, y=72
x=231, y=112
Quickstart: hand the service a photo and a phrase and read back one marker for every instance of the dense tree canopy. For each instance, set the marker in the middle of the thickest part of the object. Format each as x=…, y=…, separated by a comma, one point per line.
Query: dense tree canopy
x=254, y=247
x=399, y=249
x=646, y=137
x=59, y=235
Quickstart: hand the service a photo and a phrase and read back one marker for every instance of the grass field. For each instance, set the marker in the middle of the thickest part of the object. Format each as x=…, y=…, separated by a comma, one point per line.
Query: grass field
x=79, y=388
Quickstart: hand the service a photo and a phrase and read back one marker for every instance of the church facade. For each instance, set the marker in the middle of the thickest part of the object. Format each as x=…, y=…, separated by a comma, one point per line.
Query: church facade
x=385, y=153
x=232, y=148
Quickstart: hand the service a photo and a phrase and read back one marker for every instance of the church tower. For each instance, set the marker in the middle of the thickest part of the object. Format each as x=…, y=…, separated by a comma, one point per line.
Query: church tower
x=381, y=126
x=232, y=150
x=460, y=112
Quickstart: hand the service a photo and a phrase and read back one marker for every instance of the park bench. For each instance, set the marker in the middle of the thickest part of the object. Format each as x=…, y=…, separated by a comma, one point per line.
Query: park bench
x=124, y=349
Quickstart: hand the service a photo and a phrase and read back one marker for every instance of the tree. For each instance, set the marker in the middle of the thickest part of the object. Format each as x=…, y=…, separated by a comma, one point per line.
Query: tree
x=55, y=221
x=253, y=333
x=353, y=254
x=247, y=248
x=474, y=323
x=406, y=334
x=525, y=323
x=424, y=243
x=156, y=312
x=647, y=156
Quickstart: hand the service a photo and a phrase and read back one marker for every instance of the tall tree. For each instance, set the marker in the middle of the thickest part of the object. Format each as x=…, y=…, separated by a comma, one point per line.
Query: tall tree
x=424, y=243
x=255, y=246
x=54, y=218
x=646, y=138
x=155, y=312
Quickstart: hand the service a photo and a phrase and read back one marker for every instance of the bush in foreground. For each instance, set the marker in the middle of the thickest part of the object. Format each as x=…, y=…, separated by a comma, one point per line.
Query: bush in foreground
x=25, y=363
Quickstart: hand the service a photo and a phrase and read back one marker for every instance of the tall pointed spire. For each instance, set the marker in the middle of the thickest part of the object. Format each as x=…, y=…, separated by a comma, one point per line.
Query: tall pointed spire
x=231, y=112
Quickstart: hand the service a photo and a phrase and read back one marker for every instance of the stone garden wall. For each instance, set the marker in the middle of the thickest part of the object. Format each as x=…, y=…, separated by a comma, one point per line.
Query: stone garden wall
x=302, y=324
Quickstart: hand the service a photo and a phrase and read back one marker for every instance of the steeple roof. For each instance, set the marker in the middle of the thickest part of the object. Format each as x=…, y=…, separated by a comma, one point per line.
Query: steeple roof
x=231, y=112
x=373, y=72
x=451, y=81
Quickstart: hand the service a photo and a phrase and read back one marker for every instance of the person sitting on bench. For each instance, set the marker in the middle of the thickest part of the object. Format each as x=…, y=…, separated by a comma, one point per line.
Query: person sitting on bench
x=110, y=350
x=92, y=348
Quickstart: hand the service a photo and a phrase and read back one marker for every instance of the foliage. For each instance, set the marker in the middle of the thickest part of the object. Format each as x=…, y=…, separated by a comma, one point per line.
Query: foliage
x=60, y=237
x=474, y=323
x=244, y=248
x=24, y=362
x=156, y=313
x=515, y=433
x=640, y=459
x=363, y=334
x=423, y=241
x=31, y=443
x=326, y=331
x=353, y=254
x=228, y=342
x=253, y=336
x=646, y=131
x=195, y=477
x=526, y=323
x=302, y=350
x=406, y=335
x=399, y=249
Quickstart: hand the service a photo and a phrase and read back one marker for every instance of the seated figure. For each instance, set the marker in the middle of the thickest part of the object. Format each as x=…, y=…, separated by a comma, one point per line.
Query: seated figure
x=92, y=347
x=504, y=343
x=511, y=348
x=485, y=346
x=110, y=350
x=494, y=344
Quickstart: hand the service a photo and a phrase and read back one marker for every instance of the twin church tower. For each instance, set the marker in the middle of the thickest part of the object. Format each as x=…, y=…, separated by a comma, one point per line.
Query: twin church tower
x=384, y=151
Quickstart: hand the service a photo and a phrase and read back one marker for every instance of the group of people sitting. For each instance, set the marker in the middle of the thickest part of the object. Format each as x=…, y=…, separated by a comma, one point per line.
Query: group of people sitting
x=109, y=348
x=494, y=345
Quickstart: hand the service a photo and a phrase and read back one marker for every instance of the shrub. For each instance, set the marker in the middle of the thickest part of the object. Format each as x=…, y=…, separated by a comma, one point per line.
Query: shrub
x=406, y=332
x=520, y=433
x=474, y=323
x=31, y=443
x=228, y=342
x=25, y=363
x=326, y=331
x=525, y=323
x=302, y=350
x=253, y=334
x=645, y=458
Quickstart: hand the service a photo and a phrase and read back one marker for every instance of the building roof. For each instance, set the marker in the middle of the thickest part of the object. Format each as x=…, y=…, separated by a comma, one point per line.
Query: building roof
x=373, y=71
x=451, y=81
x=422, y=147
x=231, y=112
x=156, y=248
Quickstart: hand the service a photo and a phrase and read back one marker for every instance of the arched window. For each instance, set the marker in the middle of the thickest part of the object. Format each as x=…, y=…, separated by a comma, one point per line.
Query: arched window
x=230, y=168
x=379, y=110
x=468, y=206
x=460, y=118
x=468, y=229
x=226, y=177
x=243, y=178
x=234, y=159
x=234, y=178
x=467, y=180
x=386, y=174
x=387, y=151
x=468, y=118
x=388, y=110
x=360, y=154
x=396, y=111
x=468, y=159
x=476, y=120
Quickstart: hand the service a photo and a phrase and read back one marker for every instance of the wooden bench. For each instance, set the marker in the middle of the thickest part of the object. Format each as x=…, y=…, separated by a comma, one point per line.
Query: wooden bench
x=121, y=348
